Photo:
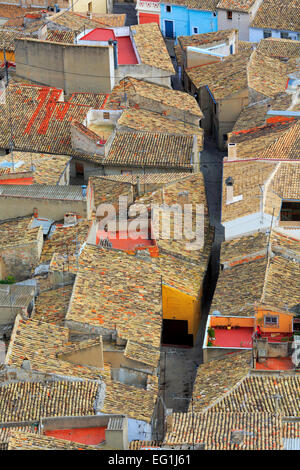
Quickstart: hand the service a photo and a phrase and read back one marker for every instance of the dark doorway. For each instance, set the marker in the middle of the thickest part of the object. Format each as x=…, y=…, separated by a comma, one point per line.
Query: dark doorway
x=175, y=332
x=169, y=29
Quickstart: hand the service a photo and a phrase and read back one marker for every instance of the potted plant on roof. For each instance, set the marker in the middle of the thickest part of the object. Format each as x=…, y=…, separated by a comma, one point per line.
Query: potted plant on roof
x=211, y=334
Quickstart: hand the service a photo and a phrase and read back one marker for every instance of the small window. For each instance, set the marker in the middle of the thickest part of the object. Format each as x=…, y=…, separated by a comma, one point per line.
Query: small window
x=215, y=108
x=168, y=8
x=229, y=15
x=271, y=320
x=195, y=30
x=267, y=34
x=105, y=115
x=290, y=211
x=284, y=35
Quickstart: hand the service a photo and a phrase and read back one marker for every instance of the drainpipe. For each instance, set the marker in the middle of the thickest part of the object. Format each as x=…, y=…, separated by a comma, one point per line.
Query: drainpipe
x=115, y=44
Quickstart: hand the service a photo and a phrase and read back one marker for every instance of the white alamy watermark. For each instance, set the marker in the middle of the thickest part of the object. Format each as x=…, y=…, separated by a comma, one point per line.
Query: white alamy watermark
x=153, y=222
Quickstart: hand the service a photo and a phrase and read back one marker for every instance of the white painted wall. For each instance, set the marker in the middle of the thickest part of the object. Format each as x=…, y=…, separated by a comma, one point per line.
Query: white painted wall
x=138, y=430
x=256, y=34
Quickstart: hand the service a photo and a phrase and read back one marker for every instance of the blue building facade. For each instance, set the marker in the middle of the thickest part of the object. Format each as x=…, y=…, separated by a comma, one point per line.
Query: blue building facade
x=179, y=20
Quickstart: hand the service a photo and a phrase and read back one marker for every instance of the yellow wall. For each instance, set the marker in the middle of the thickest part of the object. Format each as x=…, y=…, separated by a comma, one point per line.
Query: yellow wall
x=245, y=322
x=10, y=56
x=285, y=321
x=81, y=6
x=180, y=306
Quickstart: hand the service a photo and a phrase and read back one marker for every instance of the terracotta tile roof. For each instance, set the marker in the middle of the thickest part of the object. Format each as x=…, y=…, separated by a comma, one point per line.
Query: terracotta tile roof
x=279, y=48
x=206, y=5
x=17, y=232
x=240, y=288
x=47, y=169
x=51, y=306
x=64, y=239
x=40, y=122
x=245, y=46
x=266, y=75
x=191, y=190
x=256, y=394
x=241, y=247
x=81, y=346
x=224, y=77
x=282, y=102
x=258, y=172
x=61, y=36
x=137, y=445
x=215, y=378
x=139, y=352
x=282, y=243
x=119, y=292
x=291, y=430
x=205, y=39
x=287, y=146
x=278, y=14
x=107, y=190
x=150, y=149
x=151, y=46
x=148, y=178
x=6, y=432
x=282, y=283
x=144, y=120
x=261, y=431
x=23, y=401
x=136, y=403
x=285, y=182
x=163, y=95
x=254, y=142
x=38, y=342
x=28, y=441
x=236, y=5
x=113, y=20
x=72, y=21
x=251, y=117
x=7, y=39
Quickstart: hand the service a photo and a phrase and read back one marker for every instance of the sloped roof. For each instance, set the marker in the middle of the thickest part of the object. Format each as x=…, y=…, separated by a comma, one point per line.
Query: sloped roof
x=278, y=14
x=206, y=5
x=261, y=431
x=151, y=46
x=24, y=401
x=279, y=48
x=257, y=394
x=144, y=120
x=205, y=39
x=150, y=149
x=236, y=5
x=224, y=77
x=240, y=288
x=38, y=342
x=28, y=441
x=215, y=378
x=287, y=146
x=266, y=75
x=34, y=128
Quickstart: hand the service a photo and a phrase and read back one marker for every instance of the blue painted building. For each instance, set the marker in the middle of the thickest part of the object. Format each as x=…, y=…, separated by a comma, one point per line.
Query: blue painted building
x=184, y=19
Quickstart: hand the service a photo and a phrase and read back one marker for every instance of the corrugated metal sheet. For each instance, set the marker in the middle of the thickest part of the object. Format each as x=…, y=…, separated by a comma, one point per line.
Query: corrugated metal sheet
x=43, y=191
x=291, y=444
x=44, y=223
